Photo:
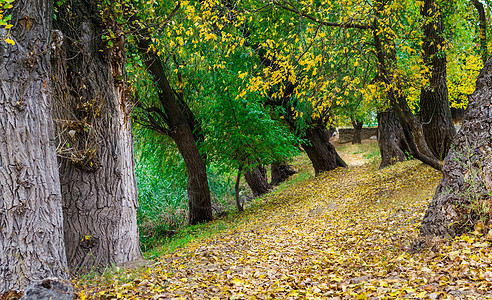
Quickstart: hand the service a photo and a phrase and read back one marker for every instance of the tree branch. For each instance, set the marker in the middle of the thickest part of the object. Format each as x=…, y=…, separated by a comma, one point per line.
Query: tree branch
x=288, y=6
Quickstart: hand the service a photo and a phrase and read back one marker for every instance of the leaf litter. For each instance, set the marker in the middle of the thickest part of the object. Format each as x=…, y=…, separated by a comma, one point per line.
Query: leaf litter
x=343, y=235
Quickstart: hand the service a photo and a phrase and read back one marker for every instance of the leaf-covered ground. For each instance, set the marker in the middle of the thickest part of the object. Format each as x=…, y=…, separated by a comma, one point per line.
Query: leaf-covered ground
x=343, y=235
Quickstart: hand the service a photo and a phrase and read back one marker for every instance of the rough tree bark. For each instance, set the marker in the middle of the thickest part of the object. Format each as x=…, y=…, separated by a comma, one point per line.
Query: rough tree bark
x=199, y=203
x=320, y=151
x=435, y=113
x=466, y=184
x=95, y=141
x=280, y=172
x=356, y=139
x=31, y=222
x=391, y=139
x=256, y=180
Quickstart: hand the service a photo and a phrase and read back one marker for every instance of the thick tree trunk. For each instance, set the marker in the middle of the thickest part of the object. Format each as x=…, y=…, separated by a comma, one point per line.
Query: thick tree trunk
x=96, y=147
x=200, y=207
x=356, y=139
x=320, y=151
x=280, y=172
x=391, y=139
x=257, y=181
x=31, y=222
x=463, y=196
x=435, y=113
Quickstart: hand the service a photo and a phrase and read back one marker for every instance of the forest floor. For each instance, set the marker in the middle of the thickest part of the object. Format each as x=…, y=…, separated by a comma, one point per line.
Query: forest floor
x=346, y=234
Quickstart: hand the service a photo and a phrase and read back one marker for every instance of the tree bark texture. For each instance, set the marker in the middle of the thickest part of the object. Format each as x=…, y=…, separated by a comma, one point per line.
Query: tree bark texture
x=256, y=181
x=391, y=139
x=31, y=221
x=200, y=207
x=466, y=185
x=320, y=151
x=435, y=113
x=280, y=172
x=91, y=115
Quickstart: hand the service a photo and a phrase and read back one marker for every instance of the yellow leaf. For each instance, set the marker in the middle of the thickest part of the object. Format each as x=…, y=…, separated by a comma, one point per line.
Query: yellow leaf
x=10, y=41
x=361, y=296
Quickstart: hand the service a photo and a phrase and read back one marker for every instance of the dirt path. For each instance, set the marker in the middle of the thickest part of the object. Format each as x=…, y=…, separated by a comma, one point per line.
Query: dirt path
x=343, y=235
x=354, y=155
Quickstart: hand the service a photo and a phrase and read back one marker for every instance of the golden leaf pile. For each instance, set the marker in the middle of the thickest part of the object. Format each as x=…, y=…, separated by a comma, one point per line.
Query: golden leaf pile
x=343, y=235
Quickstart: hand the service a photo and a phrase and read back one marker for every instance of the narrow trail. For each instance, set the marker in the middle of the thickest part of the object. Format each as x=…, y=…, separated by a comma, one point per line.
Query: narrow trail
x=342, y=235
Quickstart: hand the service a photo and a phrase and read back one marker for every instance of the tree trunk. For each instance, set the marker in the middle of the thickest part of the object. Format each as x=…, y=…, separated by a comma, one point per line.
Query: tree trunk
x=320, y=151
x=463, y=196
x=96, y=148
x=31, y=221
x=435, y=113
x=356, y=139
x=257, y=181
x=391, y=139
x=236, y=190
x=280, y=172
x=200, y=207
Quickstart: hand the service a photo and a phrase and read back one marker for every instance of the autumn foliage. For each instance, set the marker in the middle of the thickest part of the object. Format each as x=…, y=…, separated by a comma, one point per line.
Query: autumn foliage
x=344, y=235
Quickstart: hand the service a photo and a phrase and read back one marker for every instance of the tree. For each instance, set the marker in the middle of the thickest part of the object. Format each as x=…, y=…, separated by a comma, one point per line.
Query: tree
x=435, y=113
x=92, y=118
x=31, y=221
x=391, y=139
x=377, y=19
x=320, y=151
x=462, y=199
x=278, y=66
x=388, y=77
x=171, y=116
x=357, y=124
x=280, y=171
x=256, y=180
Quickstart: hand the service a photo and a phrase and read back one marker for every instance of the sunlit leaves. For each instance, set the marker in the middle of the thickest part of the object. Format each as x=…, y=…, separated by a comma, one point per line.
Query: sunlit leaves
x=462, y=73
